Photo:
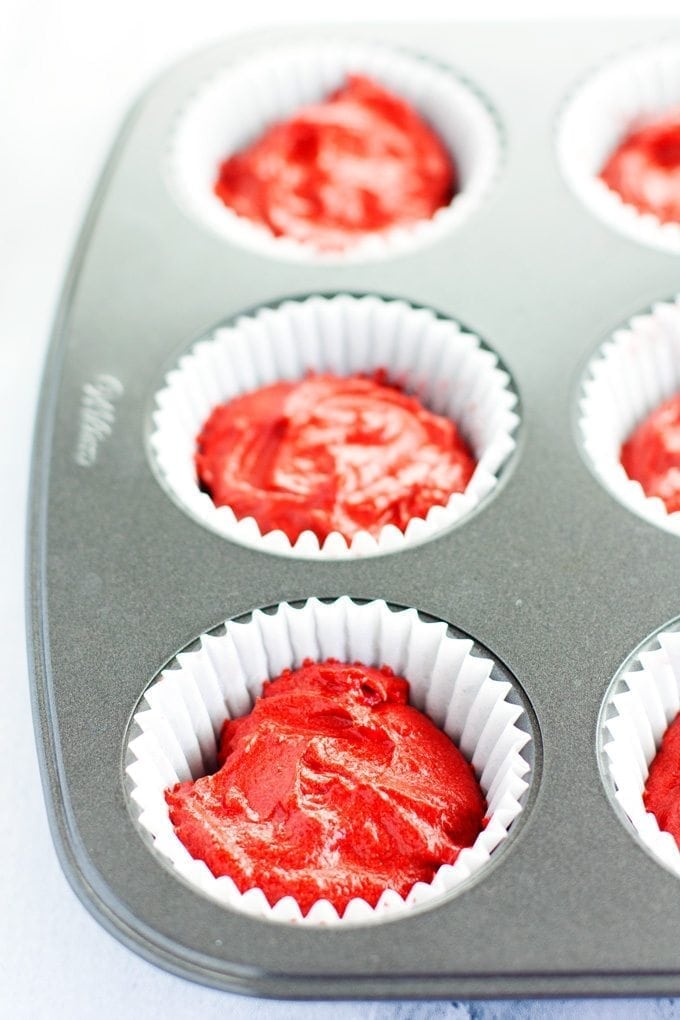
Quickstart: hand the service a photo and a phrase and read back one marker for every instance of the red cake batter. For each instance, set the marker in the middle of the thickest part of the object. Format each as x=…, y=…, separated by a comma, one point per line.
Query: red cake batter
x=645, y=168
x=333, y=787
x=358, y=162
x=651, y=456
x=330, y=454
x=662, y=792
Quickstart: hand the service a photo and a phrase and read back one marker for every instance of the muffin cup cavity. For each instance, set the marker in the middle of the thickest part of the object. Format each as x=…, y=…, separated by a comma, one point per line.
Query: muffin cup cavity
x=174, y=733
x=238, y=105
x=634, y=372
x=626, y=93
x=446, y=368
x=638, y=709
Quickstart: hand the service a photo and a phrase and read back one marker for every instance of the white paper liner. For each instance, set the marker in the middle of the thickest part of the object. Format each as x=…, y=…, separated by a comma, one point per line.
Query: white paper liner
x=240, y=103
x=637, y=712
x=633, y=373
x=623, y=95
x=182, y=715
x=433, y=358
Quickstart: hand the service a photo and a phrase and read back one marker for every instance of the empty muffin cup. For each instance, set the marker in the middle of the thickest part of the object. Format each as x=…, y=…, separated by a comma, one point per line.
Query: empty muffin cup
x=637, y=711
x=239, y=104
x=173, y=736
x=624, y=96
x=431, y=358
x=632, y=374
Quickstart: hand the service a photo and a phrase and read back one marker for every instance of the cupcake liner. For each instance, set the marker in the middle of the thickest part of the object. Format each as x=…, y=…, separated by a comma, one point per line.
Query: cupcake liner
x=240, y=103
x=617, y=98
x=180, y=718
x=637, y=711
x=446, y=368
x=632, y=374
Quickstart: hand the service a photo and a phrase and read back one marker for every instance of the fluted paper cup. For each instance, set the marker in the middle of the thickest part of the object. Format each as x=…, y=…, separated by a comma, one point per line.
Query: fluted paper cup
x=617, y=99
x=429, y=357
x=175, y=732
x=637, y=711
x=238, y=105
x=634, y=372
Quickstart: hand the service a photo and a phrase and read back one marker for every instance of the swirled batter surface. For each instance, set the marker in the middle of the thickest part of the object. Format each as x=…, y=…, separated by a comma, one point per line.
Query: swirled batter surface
x=332, y=787
x=651, y=456
x=330, y=454
x=662, y=792
x=359, y=162
x=645, y=168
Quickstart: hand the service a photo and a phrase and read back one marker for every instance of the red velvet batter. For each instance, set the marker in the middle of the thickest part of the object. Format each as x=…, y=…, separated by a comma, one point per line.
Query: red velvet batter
x=358, y=162
x=332, y=787
x=645, y=168
x=330, y=454
x=662, y=792
x=651, y=456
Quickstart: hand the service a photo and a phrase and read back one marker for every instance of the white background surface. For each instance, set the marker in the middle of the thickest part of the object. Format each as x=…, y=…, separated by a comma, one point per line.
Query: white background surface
x=68, y=72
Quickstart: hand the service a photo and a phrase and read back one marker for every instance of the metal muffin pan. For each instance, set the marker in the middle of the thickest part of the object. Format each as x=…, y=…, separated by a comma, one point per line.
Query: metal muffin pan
x=558, y=580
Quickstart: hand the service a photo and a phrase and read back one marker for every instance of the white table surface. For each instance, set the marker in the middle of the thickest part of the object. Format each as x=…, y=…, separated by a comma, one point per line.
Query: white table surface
x=68, y=72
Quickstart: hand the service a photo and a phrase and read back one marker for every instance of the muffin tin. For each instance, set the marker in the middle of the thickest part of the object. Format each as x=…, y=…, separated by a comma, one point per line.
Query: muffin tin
x=554, y=579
